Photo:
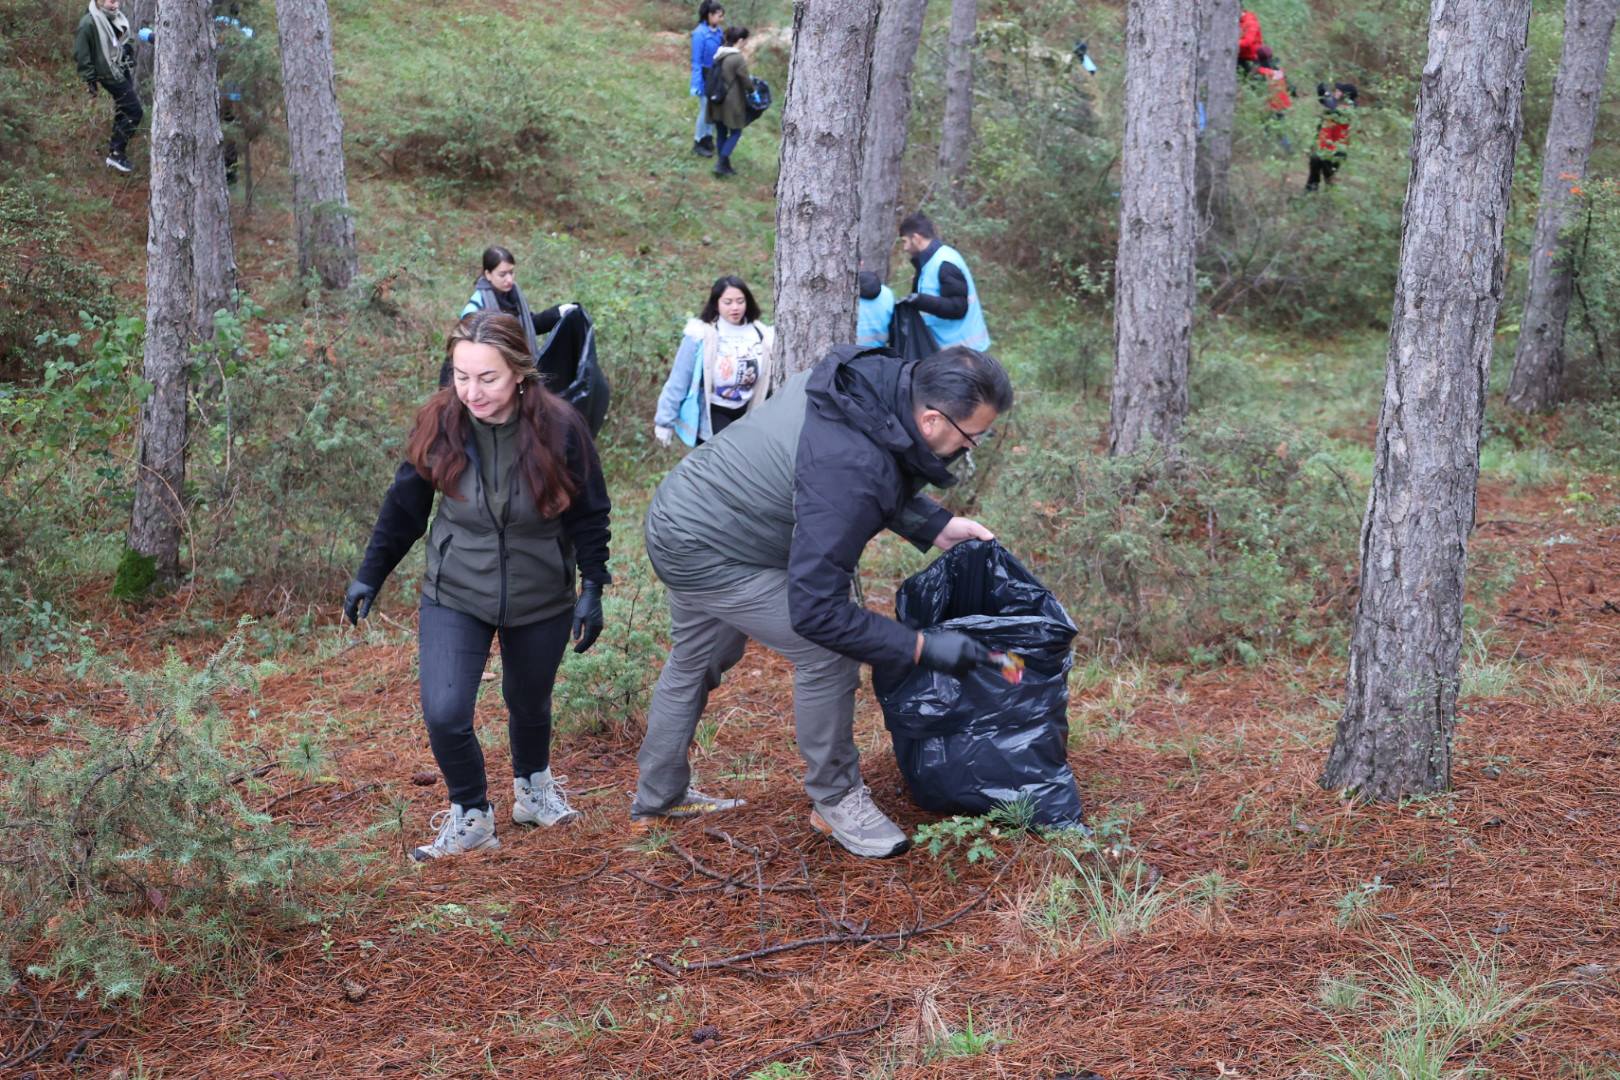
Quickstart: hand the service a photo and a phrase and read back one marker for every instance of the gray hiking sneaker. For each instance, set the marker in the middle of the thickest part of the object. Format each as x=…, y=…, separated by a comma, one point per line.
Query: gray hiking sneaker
x=538, y=799
x=856, y=822
x=460, y=831
x=693, y=804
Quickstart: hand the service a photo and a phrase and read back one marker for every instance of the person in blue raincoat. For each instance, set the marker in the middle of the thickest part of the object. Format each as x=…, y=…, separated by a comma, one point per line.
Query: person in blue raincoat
x=707, y=36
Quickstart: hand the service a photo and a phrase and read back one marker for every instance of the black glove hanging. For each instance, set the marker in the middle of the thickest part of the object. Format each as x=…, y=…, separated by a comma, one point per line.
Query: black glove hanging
x=357, y=601
x=588, y=618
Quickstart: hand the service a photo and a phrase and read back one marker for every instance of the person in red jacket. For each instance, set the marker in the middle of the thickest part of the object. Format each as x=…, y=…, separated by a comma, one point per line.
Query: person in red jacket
x=1332, y=132
x=1279, y=95
x=1250, y=41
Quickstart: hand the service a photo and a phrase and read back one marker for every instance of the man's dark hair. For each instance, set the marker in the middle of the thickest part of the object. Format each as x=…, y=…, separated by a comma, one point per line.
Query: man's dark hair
x=957, y=380
x=735, y=34
x=920, y=224
x=711, y=310
x=494, y=255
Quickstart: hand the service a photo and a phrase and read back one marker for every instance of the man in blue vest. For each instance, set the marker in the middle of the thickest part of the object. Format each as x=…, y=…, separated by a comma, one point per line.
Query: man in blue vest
x=875, y=311
x=943, y=290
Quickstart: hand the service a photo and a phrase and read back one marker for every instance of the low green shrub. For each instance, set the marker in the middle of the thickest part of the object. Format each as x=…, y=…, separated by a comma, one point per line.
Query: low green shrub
x=465, y=133
x=43, y=282
x=1242, y=544
x=135, y=853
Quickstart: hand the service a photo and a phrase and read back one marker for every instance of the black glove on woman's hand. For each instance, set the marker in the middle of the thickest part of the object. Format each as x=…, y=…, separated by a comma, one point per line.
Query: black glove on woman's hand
x=587, y=616
x=357, y=600
x=952, y=652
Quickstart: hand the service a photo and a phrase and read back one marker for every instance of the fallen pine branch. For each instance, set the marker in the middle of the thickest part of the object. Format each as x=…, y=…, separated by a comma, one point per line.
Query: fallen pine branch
x=846, y=938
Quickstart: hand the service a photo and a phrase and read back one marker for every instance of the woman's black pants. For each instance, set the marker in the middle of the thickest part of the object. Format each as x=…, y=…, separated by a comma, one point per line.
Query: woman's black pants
x=453, y=648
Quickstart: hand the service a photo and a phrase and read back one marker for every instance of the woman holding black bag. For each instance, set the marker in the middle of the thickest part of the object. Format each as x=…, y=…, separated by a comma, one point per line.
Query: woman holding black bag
x=523, y=502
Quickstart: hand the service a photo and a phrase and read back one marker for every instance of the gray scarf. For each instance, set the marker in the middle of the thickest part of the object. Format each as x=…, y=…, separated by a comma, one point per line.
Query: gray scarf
x=113, y=33
x=490, y=301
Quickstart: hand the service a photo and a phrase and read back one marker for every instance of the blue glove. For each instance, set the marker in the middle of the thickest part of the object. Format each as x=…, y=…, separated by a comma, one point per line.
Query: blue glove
x=145, y=34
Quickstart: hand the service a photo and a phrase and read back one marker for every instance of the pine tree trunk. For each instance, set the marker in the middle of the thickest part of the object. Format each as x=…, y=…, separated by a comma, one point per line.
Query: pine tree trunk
x=1154, y=286
x=1538, y=364
x=956, y=130
x=1394, y=738
x=214, y=257
x=888, y=112
x=142, y=13
x=817, y=188
x=315, y=140
x=183, y=81
x=1217, y=89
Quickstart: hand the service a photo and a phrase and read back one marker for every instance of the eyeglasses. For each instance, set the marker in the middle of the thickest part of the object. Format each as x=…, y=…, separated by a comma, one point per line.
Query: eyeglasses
x=973, y=440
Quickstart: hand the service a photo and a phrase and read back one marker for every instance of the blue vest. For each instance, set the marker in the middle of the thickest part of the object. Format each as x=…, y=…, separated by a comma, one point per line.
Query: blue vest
x=872, y=318
x=969, y=330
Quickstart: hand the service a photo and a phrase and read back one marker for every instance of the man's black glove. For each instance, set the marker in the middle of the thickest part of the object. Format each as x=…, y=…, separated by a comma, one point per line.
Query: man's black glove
x=952, y=652
x=587, y=616
x=357, y=600
x=93, y=88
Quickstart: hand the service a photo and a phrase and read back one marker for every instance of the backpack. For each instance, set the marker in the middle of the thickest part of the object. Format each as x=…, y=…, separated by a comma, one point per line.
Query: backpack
x=714, y=86
x=759, y=100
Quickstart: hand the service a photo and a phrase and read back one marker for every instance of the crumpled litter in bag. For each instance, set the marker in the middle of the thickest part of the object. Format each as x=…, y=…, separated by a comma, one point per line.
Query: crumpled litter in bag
x=971, y=744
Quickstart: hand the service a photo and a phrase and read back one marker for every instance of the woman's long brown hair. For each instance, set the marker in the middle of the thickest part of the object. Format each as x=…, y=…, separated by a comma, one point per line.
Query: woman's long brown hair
x=438, y=441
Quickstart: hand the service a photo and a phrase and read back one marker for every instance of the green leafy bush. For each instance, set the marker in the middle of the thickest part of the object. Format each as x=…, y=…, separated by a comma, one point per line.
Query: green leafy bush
x=1242, y=544
x=135, y=853
x=41, y=282
x=466, y=132
x=1592, y=333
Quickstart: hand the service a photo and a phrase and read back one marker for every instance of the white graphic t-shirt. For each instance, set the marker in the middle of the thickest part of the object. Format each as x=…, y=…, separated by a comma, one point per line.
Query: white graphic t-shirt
x=736, y=368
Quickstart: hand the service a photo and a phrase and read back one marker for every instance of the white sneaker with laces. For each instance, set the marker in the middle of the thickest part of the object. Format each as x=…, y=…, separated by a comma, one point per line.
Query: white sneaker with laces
x=119, y=164
x=460, y=830
x=856, y=822
x=539, y=799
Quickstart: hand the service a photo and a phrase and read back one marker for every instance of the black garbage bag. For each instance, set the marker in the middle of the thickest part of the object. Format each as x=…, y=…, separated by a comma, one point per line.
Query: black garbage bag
x=568, y=362
x=971, y=744
x=909, y=336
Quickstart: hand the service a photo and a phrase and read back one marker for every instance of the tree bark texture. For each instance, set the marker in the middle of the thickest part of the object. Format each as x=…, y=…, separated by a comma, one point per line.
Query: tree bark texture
x=180, y=80
x=1154, y=287
x=1537, y=384
x=1217, y=90
x=315, y=142
x=888, y=113
x=1394, y=738
x=818, y=183
x=956, y=129
x=214, y=254
x=142, y=13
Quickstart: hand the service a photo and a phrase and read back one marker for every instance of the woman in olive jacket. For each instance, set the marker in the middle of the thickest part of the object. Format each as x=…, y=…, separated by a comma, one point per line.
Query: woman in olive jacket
x=523, y=501
x=731, y=115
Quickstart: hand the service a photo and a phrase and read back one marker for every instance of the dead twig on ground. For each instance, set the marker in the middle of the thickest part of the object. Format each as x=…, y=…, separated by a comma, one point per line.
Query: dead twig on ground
x=848, y=938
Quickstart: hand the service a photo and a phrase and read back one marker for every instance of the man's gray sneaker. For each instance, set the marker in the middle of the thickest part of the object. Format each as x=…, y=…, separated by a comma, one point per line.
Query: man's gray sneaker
x=856, y=822
x=693, y=804
x=460, y=831
x=538, y=799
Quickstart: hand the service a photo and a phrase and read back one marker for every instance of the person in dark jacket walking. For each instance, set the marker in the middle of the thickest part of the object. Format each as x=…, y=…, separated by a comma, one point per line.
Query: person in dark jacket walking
x=707, y=37
x=757, y=535
x=523, y=502
x=104, y=51
x=731, y=115
x=943, y=289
